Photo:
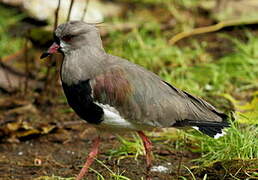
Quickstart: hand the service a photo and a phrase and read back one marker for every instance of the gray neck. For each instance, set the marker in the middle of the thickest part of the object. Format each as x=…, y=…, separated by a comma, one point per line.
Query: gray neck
x=82, y=64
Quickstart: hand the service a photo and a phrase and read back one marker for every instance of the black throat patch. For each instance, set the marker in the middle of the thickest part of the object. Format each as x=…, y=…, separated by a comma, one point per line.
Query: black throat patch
x=80, y=99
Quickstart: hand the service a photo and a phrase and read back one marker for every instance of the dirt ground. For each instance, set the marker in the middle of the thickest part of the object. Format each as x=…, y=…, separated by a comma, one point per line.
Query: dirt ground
x=63, y=152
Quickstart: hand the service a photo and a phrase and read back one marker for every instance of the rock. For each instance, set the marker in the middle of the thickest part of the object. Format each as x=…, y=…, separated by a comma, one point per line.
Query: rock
x=44, y=10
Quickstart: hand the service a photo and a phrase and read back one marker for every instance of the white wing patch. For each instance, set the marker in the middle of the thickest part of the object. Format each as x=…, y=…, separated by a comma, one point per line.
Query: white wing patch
x=196, y=128
x=113, y=120
x=65, y=46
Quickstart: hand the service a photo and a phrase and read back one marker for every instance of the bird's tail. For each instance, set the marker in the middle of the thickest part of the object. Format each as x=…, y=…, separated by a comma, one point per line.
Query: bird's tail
x=212, y=129
x=204, y=117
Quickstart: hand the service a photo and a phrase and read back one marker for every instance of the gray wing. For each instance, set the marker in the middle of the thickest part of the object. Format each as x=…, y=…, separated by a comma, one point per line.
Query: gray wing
x=142, y=97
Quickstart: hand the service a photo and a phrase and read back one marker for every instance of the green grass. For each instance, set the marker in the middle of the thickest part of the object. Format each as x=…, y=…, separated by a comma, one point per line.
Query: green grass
x=128, y=148
x=9, y=44
x=113, y=175
x=241, y=142
x=192, y=175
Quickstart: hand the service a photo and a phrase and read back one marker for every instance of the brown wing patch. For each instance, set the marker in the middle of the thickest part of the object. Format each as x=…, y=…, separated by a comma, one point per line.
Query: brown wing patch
x=112, y=87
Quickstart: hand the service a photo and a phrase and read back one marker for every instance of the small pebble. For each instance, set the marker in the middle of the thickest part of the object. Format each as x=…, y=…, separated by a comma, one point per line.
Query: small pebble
x=160, y=168
x=70, y=152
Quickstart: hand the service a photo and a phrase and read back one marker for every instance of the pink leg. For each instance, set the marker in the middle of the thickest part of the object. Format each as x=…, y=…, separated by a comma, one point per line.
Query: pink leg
x=90, y=159
x=148, y=147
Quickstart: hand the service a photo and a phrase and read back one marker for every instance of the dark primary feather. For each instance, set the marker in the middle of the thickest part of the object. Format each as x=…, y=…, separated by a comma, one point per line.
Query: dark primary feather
x=209, y=128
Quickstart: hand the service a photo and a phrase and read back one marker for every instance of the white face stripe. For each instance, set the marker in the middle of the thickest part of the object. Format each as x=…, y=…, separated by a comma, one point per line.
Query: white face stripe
x=64, y=46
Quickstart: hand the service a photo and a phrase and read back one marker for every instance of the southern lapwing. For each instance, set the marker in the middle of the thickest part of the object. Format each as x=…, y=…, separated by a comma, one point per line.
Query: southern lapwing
x=116, y=95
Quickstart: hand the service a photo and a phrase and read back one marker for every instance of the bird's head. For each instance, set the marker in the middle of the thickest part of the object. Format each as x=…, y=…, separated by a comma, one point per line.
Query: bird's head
x=74, y=35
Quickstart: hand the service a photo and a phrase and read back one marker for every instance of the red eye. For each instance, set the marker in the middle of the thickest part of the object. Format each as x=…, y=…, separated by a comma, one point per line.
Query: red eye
x=67, y=38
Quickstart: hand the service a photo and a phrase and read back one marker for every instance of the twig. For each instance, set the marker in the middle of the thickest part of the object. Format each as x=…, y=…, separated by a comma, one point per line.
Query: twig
x=211, y=28
x=69, y=123
x=180, y=159
x=6, y=74
x=56, y=14
x=26, y=67
x=50, y=64
x=85, y=9
x=179, y=165
x=56, y=76
x=47, y=74
x=56, y=23
x=70, y=10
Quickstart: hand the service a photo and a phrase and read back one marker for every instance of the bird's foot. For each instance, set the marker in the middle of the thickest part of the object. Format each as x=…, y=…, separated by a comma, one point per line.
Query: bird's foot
x=148, y=148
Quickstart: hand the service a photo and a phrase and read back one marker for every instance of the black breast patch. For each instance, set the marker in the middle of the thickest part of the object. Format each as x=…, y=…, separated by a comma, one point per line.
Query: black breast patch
x=79, y=98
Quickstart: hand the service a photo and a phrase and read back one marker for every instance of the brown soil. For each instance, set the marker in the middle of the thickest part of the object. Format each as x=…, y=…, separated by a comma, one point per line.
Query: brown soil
x=63, y=152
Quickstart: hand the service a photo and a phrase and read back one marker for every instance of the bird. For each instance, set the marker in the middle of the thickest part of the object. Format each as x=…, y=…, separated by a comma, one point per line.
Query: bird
x=115, y=95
